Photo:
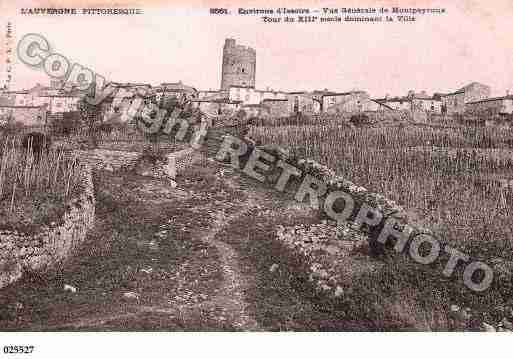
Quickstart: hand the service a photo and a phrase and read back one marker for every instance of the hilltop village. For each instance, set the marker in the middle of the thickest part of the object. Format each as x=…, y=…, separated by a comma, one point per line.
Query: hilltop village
x=237, y=92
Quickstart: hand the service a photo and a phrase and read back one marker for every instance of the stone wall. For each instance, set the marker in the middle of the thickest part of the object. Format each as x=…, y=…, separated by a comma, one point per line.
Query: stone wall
x=111, y=160
x=325, y=247
x=21, y=252
x=341, y=237
x=108, y=159
x=178, y=161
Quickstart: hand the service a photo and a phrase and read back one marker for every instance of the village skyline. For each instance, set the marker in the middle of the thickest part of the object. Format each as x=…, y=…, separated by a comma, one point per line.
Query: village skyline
x=186, y=45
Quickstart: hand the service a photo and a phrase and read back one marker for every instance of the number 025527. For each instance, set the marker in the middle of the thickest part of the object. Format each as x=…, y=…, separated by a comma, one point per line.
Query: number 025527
x=18, y=349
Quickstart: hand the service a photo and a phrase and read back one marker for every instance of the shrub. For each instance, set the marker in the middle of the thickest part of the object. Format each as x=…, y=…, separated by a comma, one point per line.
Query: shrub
x=36, y=142
x=27, y=185
x=68, y=124
x=12, y=127
x=359, y=119
x=153, y=155
x=446, y=176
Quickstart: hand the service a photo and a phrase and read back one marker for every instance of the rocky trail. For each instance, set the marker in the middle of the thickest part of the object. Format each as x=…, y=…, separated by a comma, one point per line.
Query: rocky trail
x=200, y=256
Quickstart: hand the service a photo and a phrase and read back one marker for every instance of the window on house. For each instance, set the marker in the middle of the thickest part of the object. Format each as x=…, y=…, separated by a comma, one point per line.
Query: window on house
x=242, y=70
x=247, y=97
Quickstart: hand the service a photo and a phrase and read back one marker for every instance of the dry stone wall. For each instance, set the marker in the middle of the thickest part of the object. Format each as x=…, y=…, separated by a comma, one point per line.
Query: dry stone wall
x=120, y=160
x=323, y=246
x=108, y=159
x=20, y=253
x=178, y=161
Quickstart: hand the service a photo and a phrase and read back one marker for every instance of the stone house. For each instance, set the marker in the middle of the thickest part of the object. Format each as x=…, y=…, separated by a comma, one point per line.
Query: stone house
x=212, y=94
x=119, y=106
x=20, y=97
x=31, y=97
x=371, y=105
x=59, y=103
x=396, y=103
x=492, y=106
x=256, y=110
x=217, y=107
x=351, y=101
x=424, y=103
x=168, y=90
x=414, y=103
x=303, y=102
x=250, y=95
x=455, y=102
x=354, y=102
x=277, y=107
x=27, y=115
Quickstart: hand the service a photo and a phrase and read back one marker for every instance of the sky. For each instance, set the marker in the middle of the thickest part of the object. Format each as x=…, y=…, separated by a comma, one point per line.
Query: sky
x=179, y=40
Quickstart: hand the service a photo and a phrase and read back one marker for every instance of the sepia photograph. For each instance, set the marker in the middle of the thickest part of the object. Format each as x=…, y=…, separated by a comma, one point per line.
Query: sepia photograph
x=186, y=171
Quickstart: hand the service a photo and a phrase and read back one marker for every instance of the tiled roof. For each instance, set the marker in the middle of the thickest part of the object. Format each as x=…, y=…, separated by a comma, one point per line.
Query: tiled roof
x=455, y=93
x=341, y=93
x=510, y=97
x=250, y=105
x=218, y=100
x=244, y=87
x=17, y=106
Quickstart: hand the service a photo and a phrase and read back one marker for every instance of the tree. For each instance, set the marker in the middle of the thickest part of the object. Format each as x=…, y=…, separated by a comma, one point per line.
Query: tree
x=90, y=116
x=65, y=126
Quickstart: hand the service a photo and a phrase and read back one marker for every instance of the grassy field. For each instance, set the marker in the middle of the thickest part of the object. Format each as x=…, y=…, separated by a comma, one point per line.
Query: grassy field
x=455, y=178
x=34, y=186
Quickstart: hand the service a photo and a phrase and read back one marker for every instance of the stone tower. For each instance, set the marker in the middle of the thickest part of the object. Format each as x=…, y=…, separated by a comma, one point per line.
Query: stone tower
x=239, y=65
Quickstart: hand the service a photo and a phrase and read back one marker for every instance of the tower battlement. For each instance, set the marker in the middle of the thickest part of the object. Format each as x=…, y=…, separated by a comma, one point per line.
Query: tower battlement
x=239, y=65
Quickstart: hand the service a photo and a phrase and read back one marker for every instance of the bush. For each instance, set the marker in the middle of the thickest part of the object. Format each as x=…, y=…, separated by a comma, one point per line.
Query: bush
x=153, y=155
x=70, y=122
x=12, y=128
x=36, y=142
x=360, y=119
x=33, y=190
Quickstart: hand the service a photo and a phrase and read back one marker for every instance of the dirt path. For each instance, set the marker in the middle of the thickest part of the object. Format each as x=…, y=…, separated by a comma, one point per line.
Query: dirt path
x=196, y=257
x=231, y=294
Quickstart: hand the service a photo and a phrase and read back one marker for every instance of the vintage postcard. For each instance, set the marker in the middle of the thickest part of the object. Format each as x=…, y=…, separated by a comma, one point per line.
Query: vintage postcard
x=255, y=166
